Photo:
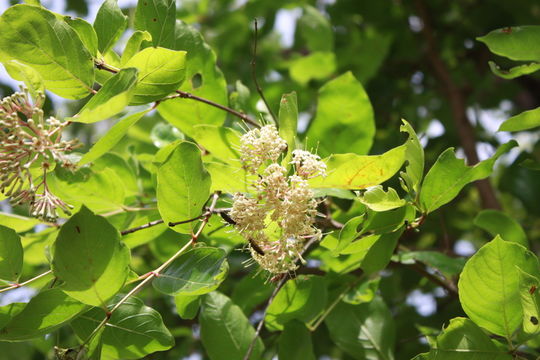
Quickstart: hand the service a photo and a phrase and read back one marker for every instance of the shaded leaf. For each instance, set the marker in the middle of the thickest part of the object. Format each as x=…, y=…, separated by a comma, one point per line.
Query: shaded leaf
x=295, y=343
x=110, y=24
x=158, y=18
x=514, y=72
x=11, y=254
x=530, y=302
x=498, y=223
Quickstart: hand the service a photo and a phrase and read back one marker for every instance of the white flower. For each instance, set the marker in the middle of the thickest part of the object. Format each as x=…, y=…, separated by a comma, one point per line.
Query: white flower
x=259, y=145
x=308, y=165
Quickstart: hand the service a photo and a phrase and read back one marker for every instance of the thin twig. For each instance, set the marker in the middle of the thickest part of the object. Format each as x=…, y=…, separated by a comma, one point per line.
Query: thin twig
x=156, y=273
x=18, y=285
x=142, y=227
x=254, y=75
x=260, y=325
x=185, y=95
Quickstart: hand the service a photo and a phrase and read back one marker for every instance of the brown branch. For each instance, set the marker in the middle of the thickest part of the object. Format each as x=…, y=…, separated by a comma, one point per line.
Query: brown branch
x=457, y=104
x=185, y=95
x=254, y=75
x=142, y=227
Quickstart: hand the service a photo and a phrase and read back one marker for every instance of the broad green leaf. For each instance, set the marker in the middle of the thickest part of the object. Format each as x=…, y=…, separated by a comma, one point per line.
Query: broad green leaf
x=46, y=312
x=530, y=302
x=377, y=199
x=203, y=79
x=295, y=342
x=31, y=78
x=36, y=37
x=449, y=266
x=462, y=339
x=227, y=178
x=387, y=221
x=514, y=72
x=352, y=171
x=183, y=186
x=99, y=191
x=86, y=33
x=343, y=110
x=239, y=98
x=110, y=24
x=112, y=137
x=498, y=223
x=379, y=254
x=258, y=288
x=8, y=312
x=196, y=272
x=365, y=331
x=489, y=285
x=133, y=331
x=315, y=66
x=111, y=99
x=17, y=222
x=225, y=331
x=90, y=258
x=363, y=293
x=161, y=71
x=158, y=18
x=288, y=121
x=302, y=298
x=449, y=175
x=516, y=42
x=414, y=171
x=348, y=234
x=11, y=254
x=222, y=142
x=134, y=45
x=187, y=306
x=315, y=30
x=163, y=134
x=126, y=172
x=524, y=121
x=35, y=246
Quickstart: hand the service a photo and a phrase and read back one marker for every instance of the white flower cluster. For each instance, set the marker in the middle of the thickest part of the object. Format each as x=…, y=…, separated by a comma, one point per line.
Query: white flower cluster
x=280, y=204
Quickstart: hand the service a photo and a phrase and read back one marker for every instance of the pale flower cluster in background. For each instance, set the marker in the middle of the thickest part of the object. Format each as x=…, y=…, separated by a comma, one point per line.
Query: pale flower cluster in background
x=277, y=218
x=30, y=147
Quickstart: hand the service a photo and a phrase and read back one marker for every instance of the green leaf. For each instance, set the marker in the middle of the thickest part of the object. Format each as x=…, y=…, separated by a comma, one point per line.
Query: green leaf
x=134, y=45
x=348, y=234
x=462, y=339
x=515, y=71
x=449, y=175
x=163, y=134
x=11, y=254
x=351, y=171
x=183, y=186
x=111, y=99
x=228, y=178
x=46, y=312
x=158, y=18
x=489, y=285
x=379, y=254
x=363, y=293
x=112, y=137
x=161, y=71
x=377, y=199
x=36, y=37
x=100, y=191
x=31, y=78
x=516, y=42
x=315, y=30
x=343, y=110
x=530, y=302
x=526, y=120
x=86, y=33
x=448, y=266
x=288, y=121
x=225, y=331
x=315, y=66
x=498, y=223
x=302, y=299
x=203, y=79
x=133, y=331
x=17, y=222
x=258, y=288
x=222, y=142
x=196, y=272
x=8, y=312
x=364, y=331
x=414, y=171
x=110, y=24
x=187, y=306
x=90, y=258
x=295, y=342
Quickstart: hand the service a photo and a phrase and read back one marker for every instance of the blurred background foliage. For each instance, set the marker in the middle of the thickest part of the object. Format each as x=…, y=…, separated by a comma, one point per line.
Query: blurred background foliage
x=417, y=60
